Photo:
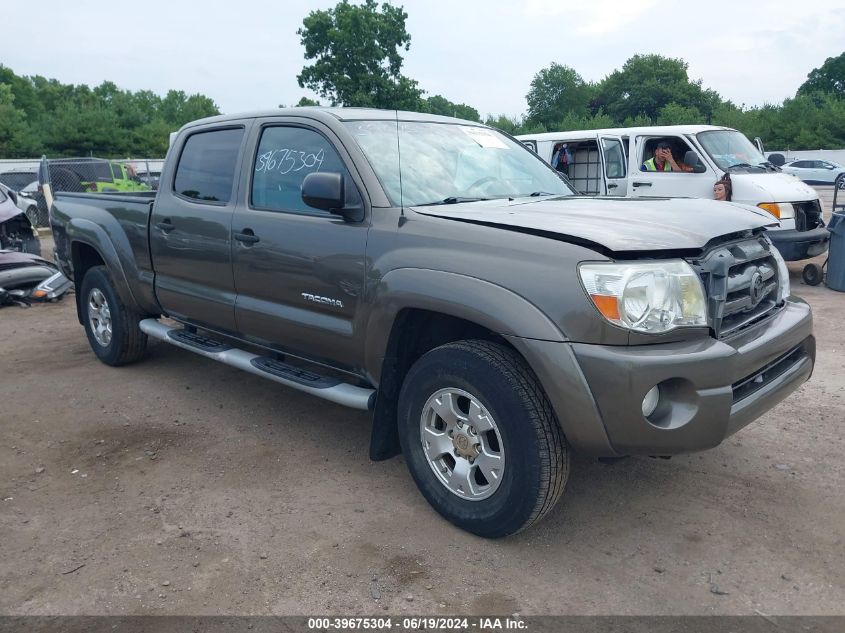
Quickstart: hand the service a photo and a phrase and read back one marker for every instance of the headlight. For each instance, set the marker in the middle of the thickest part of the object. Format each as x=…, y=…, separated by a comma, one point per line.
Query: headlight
x=784, y=289
x=781, y=210
x=648, y=297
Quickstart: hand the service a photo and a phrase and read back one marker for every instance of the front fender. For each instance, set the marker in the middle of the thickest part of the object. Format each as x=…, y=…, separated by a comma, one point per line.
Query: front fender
x=482, y=302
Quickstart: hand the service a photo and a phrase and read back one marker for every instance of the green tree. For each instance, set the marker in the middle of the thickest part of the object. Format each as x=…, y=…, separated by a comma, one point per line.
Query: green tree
x=305, y=101
x=574, y=121
x=441, y=105
x=557, y=91
x=506, y=124
x=16, y=138
x=177, y=108
x=356, y=53
x=675, y=114
x=648, y=83
x=829, y=78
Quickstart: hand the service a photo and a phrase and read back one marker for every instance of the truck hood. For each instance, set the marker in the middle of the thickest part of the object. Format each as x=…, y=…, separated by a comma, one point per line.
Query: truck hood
x=616, y=224
x=770, y=187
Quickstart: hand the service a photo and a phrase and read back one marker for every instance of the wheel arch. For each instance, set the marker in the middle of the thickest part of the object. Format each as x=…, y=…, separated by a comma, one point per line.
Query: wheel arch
x=418, y=310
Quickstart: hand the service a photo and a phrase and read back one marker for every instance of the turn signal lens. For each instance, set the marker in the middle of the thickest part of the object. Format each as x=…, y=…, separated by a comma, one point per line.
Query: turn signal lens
x=781, y=210
x=608, y=306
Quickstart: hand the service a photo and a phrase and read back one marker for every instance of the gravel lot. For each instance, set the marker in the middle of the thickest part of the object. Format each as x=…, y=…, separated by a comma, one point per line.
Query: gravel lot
x=181, y=486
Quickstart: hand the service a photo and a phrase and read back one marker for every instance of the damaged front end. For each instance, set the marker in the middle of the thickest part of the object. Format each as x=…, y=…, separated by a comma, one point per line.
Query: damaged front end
x=16, y=230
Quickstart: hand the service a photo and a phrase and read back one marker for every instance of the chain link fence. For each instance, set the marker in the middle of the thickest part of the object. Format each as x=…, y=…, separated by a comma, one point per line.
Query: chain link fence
x=92, y=175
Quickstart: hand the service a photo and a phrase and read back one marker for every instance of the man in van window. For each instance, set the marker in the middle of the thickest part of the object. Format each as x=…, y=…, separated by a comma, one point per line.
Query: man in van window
x=662, y=160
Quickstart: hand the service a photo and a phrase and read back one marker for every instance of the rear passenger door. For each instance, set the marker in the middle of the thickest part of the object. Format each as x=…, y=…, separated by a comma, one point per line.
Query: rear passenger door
x=299, y=271
x=190, y=229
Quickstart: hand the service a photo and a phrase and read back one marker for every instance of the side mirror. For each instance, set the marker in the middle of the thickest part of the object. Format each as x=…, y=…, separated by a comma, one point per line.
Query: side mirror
x=692, y=159
x=323, y=190
x=327, y=191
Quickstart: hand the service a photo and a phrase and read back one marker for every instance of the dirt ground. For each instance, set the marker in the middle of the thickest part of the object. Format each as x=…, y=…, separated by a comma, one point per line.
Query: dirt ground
x=182, y=486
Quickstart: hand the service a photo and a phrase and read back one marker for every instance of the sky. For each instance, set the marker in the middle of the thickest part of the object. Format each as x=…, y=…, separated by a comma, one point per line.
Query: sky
x=246, y=55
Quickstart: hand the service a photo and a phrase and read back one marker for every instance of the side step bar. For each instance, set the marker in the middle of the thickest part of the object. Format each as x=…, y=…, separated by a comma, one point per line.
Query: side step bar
x=278, y=371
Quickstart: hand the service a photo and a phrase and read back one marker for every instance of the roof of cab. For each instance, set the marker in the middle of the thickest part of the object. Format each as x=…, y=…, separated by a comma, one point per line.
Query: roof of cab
x=625, y=131
x=340, y=114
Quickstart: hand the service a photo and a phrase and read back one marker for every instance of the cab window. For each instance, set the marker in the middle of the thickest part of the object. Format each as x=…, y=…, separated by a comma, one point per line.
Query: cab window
x=206, y=169
x=285, y=156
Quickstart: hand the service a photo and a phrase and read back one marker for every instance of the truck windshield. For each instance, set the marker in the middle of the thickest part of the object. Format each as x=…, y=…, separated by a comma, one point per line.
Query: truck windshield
x=442, y=163
x=729, y=148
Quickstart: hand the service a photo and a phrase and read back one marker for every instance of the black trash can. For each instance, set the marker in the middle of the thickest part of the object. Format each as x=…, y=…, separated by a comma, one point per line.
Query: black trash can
x=836, y=253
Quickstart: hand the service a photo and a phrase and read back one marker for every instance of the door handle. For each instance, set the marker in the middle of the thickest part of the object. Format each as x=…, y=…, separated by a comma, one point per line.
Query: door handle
x=247, y=237
x=612, y=185
x=165, y=225
x=642, y=184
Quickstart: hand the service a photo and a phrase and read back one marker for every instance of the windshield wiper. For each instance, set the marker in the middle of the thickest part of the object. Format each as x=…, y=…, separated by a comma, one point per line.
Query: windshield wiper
x=541, y=193
x=729, y=167
x=451, y=200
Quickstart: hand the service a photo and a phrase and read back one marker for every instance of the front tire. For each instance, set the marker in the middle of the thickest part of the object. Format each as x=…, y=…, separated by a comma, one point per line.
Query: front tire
x=481, y=439
x=111, y=326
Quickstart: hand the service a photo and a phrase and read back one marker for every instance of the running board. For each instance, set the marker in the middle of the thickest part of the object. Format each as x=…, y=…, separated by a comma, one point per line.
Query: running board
x=294, y=377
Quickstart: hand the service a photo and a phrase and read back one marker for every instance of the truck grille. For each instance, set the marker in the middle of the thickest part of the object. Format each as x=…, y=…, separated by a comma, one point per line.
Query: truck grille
x=808, y=215
x=741, y=282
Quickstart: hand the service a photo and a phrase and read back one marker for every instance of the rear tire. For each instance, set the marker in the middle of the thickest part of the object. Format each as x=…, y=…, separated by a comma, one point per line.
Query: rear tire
x=495, y=461
x=111, y=326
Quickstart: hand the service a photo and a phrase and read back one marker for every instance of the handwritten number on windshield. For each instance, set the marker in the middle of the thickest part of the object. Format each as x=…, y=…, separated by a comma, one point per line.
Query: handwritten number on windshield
x=285, y=160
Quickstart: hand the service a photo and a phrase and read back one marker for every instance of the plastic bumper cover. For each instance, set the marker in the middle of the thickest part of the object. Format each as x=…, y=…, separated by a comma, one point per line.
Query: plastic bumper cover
x=796, y=245
x=709, y=389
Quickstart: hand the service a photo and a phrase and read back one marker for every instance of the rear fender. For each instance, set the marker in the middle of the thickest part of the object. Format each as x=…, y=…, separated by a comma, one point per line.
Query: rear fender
x=83, y=231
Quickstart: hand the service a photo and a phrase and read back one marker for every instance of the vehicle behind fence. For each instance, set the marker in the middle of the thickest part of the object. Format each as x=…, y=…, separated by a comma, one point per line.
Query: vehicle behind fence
x=96, y=175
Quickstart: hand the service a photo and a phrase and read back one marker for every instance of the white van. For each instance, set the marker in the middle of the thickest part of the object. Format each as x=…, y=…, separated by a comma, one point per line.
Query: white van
x=612, y=163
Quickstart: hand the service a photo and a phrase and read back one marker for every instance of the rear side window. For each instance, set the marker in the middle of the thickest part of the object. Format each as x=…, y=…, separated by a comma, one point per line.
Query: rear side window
x=285, y=156
x=115, y=169
x=206, y=170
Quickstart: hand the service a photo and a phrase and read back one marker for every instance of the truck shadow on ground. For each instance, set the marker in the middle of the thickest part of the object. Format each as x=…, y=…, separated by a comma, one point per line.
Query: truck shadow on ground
x=597, y=495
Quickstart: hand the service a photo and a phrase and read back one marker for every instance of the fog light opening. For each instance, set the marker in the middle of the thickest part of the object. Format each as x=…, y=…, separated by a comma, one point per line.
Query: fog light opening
x=651, y=400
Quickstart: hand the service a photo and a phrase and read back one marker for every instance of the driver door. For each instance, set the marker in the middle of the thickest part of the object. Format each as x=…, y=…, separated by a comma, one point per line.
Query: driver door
x=663, y=184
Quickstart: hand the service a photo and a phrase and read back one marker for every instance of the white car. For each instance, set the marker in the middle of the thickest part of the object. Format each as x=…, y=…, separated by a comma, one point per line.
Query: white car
x=815, y=172
x=25, y=203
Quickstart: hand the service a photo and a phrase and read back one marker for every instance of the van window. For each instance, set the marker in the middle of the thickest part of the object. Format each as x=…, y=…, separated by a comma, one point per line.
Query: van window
x=678, y=146
x=614, y=158
x=206, y=169
x=729, y=148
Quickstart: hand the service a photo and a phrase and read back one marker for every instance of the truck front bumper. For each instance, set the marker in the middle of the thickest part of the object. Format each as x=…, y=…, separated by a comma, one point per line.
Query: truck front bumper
x=709, y=389
x=796, y=245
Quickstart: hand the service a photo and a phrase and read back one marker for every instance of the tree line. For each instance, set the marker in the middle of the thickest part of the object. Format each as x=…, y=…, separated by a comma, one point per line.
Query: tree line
x=355, y=54
x=44, y=116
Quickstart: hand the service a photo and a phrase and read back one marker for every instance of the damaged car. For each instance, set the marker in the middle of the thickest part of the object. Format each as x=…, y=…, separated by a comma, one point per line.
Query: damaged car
x=27, y=278
x=16, y=230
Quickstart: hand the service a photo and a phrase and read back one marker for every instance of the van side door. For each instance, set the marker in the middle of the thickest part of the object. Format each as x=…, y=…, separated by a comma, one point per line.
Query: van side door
x=615, y=166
